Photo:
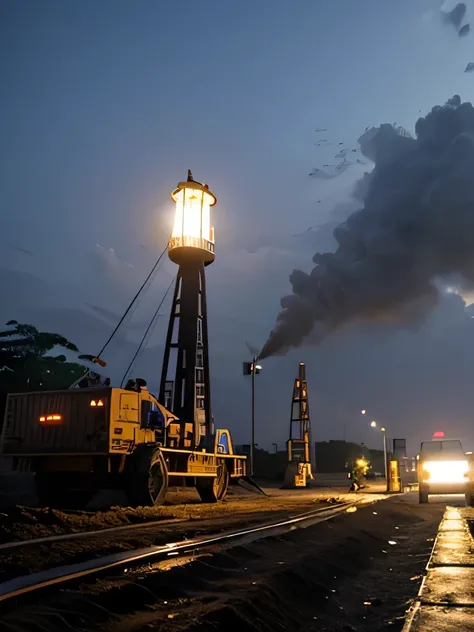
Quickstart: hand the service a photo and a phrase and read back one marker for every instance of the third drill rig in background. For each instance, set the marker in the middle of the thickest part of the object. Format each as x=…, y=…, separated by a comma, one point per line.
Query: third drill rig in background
x=299, y=471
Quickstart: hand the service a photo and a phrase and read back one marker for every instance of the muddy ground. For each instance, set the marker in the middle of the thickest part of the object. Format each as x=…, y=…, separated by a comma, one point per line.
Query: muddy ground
x=24, y=523
x=357, y=572
x=35, y=557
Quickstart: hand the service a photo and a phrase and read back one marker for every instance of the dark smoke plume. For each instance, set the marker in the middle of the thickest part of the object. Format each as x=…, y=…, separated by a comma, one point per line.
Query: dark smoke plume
x=416, y=226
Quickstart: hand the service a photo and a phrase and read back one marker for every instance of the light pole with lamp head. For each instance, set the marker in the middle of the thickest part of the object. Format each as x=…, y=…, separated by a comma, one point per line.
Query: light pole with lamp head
x=252, y=369
x=373, y=424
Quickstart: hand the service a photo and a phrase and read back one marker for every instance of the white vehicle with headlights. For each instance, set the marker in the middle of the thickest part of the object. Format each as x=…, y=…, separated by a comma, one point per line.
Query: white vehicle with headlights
x=443, y=468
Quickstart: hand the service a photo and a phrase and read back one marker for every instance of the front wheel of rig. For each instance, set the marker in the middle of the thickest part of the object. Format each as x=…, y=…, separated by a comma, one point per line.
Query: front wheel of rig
x=157, y=479
x=211, y=490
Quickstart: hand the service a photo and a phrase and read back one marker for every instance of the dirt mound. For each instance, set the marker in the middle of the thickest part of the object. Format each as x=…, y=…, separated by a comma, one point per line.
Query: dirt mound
x=24, y=523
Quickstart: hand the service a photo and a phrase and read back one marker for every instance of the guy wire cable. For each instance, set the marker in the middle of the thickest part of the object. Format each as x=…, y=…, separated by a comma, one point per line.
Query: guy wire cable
x=132, y=302
x=148, y=331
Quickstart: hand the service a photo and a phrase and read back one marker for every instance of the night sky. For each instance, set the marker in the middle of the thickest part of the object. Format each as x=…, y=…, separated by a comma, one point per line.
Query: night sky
x=107, y=103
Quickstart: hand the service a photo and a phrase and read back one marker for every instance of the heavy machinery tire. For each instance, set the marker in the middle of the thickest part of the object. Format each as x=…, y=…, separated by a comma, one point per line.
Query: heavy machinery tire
x=157, y=478
x=224, y=480
x=211, y=490
x=146, y=480
x=422, y=497
x=136, y=488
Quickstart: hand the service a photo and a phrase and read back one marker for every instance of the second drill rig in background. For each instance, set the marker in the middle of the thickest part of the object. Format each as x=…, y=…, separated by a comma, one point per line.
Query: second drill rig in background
x=298, y=471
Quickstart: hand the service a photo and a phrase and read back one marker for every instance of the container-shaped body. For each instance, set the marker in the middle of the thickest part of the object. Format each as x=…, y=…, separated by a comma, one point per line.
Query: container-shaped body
x=81, y=421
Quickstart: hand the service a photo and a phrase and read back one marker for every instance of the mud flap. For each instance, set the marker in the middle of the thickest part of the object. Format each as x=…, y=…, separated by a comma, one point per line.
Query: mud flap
x=250, y=485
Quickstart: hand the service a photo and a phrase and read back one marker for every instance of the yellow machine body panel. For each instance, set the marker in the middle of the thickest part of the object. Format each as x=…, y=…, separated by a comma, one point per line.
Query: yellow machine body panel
x=129, y=419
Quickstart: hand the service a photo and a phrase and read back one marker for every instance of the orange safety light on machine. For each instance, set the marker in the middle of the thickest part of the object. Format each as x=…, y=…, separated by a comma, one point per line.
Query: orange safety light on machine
x=51, y=420
x=100, y=362
x=96, y=403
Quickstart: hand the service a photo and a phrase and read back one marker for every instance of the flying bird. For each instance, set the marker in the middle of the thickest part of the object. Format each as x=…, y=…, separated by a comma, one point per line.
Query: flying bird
x=23, y=250
x=321, y=130
x=308, y=230
x=470, y=67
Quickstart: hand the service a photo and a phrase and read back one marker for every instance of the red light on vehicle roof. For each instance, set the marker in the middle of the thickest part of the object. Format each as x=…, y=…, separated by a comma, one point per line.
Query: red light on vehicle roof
x=438, y=435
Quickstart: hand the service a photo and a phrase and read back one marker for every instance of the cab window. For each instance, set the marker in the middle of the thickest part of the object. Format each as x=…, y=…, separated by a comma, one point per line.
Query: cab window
x=151, y=416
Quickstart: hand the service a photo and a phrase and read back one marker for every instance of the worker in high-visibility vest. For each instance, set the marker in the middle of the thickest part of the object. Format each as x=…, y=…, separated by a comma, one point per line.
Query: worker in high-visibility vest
x=359, y=473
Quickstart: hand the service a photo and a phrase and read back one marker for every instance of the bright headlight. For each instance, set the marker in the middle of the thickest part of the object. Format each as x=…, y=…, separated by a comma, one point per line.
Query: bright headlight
x=445, y=471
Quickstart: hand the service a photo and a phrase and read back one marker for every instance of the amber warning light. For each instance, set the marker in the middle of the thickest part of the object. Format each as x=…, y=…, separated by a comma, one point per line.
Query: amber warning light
x=51, y=420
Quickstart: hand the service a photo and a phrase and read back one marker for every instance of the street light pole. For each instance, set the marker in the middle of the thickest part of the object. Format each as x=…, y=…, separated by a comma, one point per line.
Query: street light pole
x=385, y=455
x=252, y=444
x=383, y=430
x=252, y=369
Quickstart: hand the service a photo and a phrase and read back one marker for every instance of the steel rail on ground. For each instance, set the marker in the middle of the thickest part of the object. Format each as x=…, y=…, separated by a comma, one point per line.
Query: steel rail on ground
x=152, y=554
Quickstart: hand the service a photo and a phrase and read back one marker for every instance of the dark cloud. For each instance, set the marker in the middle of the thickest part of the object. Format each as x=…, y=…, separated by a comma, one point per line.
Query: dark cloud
x=415, y=226
x=456, y=17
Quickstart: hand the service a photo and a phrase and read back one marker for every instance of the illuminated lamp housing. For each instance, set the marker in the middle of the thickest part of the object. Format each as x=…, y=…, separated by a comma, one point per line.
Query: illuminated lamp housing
x=439, y=434
x=193, y=235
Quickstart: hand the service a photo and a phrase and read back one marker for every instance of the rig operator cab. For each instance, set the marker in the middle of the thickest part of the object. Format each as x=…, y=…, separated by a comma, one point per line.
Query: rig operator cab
x=443, y=468
x=78, y=441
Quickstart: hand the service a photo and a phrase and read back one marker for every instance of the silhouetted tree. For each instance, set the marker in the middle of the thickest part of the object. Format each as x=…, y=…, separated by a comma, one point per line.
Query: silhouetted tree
x=28, y=361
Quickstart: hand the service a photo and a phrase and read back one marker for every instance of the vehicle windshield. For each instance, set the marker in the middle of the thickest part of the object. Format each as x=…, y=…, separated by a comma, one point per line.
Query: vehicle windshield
x=451, y=449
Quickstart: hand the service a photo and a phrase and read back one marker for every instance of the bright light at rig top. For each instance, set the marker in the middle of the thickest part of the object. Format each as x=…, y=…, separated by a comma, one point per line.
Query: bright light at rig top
x=192, y=216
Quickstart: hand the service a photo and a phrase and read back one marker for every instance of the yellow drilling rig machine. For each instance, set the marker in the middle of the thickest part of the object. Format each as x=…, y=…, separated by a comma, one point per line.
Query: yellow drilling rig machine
x=94, y=436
